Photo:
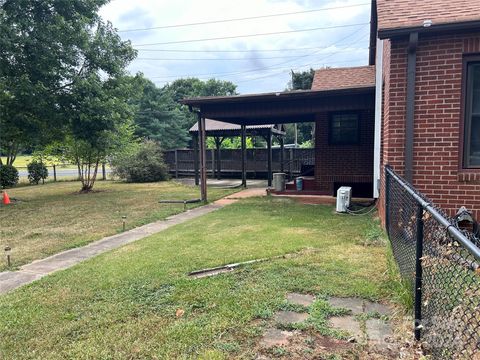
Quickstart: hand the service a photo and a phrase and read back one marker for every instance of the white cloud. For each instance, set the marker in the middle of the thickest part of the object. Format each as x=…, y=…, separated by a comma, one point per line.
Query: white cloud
x=270, y=74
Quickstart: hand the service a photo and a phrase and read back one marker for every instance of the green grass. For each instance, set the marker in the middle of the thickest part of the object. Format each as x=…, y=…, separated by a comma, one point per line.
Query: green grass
x=122, y=304
x=53, y=217
x=22, y=161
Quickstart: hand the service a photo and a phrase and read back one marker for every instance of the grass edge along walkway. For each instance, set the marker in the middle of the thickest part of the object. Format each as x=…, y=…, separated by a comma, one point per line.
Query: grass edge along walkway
x=10, y=280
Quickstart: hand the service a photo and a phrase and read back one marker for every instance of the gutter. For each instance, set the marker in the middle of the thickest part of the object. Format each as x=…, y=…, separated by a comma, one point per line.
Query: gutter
x=410, y=106
x=378, y=119
x=433, y=29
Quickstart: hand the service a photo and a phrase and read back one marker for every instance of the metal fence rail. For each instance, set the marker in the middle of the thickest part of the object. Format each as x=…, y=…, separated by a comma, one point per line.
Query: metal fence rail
x=442, y=262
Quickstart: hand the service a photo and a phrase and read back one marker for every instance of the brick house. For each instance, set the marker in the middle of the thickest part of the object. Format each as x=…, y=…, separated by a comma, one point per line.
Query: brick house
x=416, y=106
x=428, y=72
x=344, y=152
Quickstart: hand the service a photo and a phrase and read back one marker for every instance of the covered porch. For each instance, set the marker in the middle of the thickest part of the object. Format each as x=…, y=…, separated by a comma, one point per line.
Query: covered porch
x=220, y=131
x=344, y=132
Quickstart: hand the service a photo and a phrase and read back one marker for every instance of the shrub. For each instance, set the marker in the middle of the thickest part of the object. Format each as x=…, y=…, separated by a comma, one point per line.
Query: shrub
x=8, y=176
x=37, y=171
x=144, y=165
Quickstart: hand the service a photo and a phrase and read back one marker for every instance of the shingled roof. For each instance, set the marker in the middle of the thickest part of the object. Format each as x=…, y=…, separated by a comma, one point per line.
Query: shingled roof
x=215, y=127
x=344, y=78
x=394, y=15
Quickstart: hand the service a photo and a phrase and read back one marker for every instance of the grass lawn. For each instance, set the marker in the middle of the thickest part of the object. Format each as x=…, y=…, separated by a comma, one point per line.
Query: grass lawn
x=54, y=217
x=123, y=304
x=22, y=161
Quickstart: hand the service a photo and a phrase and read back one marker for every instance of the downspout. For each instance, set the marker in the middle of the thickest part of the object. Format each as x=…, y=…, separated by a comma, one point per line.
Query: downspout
x=378, y=118
x=410, y=106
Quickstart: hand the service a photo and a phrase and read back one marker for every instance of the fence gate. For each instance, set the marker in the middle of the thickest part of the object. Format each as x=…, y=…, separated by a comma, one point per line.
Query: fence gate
x=442, y=263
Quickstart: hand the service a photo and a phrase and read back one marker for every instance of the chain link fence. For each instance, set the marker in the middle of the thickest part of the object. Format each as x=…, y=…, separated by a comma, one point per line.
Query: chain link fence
x=442, y=262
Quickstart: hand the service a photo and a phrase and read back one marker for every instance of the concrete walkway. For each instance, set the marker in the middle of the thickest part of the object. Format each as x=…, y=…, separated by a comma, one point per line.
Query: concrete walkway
x=10, y=280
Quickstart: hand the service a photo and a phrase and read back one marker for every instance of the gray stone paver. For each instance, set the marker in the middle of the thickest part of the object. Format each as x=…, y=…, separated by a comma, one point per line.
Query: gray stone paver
x=378, y=331
x=300, y=299
x=355, y=305
x=10, y=280
x=373, y=307
x=349, y=324
x=290, y=317
x=275, y=337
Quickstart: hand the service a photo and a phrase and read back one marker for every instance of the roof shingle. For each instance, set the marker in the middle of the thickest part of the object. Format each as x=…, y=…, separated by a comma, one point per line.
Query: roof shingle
x=344, y=78
x=215, y=125
x=404, y=14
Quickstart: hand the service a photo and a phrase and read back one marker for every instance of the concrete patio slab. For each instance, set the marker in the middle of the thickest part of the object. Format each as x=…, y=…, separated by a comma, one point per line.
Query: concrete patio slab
x=349, y=324
x=290, y=317
x=378, y=331
x=373, y=307
x=300, y=299
x=275, y=337
x=355, y=305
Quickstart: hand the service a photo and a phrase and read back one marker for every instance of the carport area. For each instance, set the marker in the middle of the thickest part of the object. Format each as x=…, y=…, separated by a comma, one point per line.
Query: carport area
x=344, y=128
x=220, y=131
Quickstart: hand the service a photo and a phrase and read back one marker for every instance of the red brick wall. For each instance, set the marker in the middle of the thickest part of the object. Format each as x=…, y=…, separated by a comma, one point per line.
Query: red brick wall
x=343, y=163
x=437, y=129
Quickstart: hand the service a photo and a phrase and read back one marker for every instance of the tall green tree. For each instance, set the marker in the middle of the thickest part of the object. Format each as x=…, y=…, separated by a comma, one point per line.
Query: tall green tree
x=193, y=87
x=301, y=80
x=158, y=117
x=46, y=48
x=101, y=124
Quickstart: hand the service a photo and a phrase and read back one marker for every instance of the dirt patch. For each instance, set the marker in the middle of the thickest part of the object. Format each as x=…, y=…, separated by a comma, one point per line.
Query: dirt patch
x=307, y=346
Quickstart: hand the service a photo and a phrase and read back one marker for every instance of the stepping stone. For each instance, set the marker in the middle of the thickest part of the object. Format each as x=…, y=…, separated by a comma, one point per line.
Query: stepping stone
x=349, y=324
x=377, y=332
x=373, y=307
x=290, y=317
x=300, y=299
x=355, y=305
x=275, y=337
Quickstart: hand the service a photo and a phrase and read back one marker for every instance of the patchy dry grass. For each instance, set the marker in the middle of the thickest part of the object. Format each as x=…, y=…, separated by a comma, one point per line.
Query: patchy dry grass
x=123, y=304
x=54, y=217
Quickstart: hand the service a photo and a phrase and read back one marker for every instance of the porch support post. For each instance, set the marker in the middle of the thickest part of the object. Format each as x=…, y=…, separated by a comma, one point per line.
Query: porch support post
x=269, y=162
x=244, y=155
x=203, y=158
x=195, y=158
x=218, y=144
x=282, y=149
x=410, y=107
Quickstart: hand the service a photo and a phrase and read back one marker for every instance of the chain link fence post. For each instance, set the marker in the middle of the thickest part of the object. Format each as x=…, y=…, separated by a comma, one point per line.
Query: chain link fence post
x=418, y=272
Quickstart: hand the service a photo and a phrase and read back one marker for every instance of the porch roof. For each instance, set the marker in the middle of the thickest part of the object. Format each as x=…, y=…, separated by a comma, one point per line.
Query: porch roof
x=282, y=107
x=224, y=129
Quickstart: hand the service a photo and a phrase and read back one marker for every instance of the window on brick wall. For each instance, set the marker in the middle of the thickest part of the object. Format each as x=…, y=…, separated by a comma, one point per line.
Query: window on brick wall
x=472, y=115
x=344, y=129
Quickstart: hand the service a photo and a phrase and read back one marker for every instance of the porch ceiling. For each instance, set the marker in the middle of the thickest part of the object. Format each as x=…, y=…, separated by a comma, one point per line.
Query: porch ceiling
x=282, y=107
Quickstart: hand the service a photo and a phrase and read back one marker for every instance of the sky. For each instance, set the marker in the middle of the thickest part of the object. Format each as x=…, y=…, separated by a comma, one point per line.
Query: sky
x=255, y=63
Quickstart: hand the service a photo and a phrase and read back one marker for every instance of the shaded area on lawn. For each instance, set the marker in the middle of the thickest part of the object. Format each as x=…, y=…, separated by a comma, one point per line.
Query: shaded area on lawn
x=123, y=304
x=54, y=217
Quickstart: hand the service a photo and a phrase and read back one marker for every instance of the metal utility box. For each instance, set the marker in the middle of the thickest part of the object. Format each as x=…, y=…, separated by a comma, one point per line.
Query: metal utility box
x=279, y=181
x=344, y=196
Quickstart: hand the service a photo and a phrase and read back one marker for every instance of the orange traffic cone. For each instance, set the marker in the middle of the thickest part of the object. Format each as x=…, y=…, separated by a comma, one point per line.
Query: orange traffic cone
x=6, y=199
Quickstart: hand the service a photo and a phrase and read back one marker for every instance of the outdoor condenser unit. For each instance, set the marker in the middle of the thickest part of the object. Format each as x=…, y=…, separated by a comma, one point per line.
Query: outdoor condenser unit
x=344, y=195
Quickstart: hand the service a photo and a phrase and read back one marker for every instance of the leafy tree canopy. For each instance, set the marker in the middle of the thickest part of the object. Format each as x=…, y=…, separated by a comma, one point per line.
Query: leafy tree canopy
x=46, y=48
x=162, y=118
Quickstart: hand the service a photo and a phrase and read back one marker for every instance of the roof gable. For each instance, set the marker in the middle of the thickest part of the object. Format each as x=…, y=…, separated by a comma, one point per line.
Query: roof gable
x=344, y=78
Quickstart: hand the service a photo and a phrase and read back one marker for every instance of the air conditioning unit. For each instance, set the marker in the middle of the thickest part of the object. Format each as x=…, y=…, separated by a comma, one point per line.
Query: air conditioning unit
x=344, y=195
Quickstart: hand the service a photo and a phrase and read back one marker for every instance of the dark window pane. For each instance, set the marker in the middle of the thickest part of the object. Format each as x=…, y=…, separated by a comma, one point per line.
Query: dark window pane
x=344, y=129
x=475, y=141
x=472, y=120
